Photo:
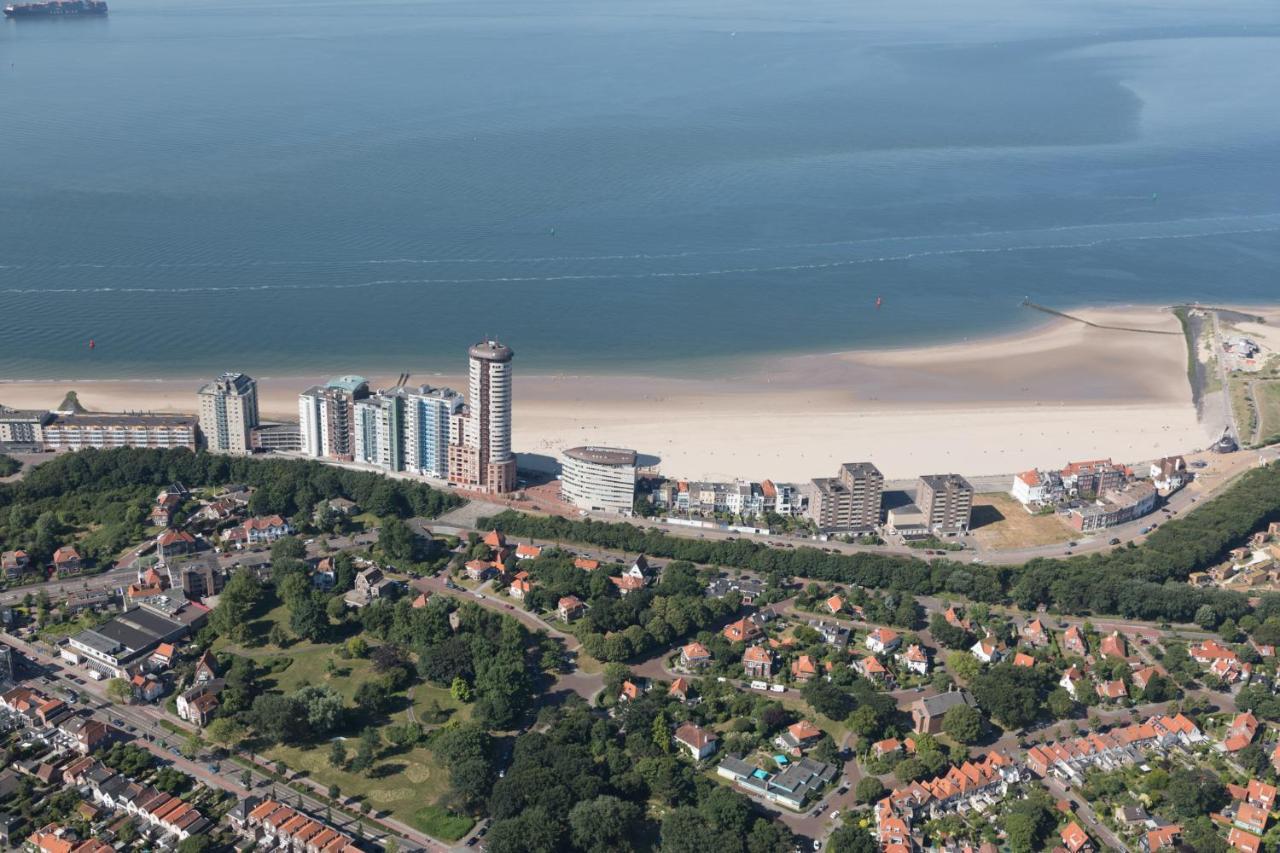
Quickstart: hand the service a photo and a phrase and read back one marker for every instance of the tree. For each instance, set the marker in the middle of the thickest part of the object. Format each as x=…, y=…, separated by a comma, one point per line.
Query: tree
x=192, y=745
x=337, y=754
x=909, y=769
x=1060, y=703
x=852, y=838
x=276, y=718
x=224, y=731
x=1028, y=822
x=288, y=548
x=194, y=844
x=1195, y=792
x=366, y=750
x=466, y=751
x=685, y=830
x=309, y=619
x=396, y=540
x=827, y=699
x=277, y=636
x=769, y=836
x=322, y=706
x=603, y=824
x=868, y=790
x=1206, y=617
x=460, y=690
x=963, y=724
x=373, y=697
x=119, y=691
x=240, y=597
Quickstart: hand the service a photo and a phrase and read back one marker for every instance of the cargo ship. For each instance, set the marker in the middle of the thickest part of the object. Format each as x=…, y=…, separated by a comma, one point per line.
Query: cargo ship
x=56, y=9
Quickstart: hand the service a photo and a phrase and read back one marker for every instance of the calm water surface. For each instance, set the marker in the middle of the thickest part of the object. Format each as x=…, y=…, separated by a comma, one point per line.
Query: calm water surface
x=298, y=186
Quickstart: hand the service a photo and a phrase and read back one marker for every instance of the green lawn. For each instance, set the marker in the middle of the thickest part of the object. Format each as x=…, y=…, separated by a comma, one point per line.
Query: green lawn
x=407, y=784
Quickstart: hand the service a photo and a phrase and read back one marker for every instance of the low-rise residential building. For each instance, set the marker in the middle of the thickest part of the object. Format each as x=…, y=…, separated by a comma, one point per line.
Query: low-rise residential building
x=927, y=713
x=521, y=586
x=987, y=650
x=799, y=737
x=67, y=561
x=1034, y=634
x=793, y=787
x=1114, y=646
x=742, y=631
x=370, y=586
x=915, y=659
x=803, y=668
x=697, y=741
x=757, y=662
x=882, y=641
x=102, y=431
x=1071, y=681
x=1075, y=839
x=1073, y=642
x=1070, y=760
x=1241, y=732
x=694, y=655
x=972, y=785
x=748, y=589
x=1113, y=507
x=15, y=564
x=271, y=824
x=1036, y=488
x=198, y=704
x=55, y=838
x=1169, y=473
x=258, y=531
x=479, y=570
x=1111, y=691
x=569, y=608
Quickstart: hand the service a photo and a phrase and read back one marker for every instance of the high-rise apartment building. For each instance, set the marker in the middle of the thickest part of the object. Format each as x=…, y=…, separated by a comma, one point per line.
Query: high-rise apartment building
x=480, y=454
x=326, y=417
x=429, y=414
x=229, y=412
x=849, y=501
x=379, y=429
x=946, y=500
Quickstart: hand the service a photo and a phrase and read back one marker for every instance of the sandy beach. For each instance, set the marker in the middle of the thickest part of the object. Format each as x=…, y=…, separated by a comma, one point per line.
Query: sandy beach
x=1061, y=391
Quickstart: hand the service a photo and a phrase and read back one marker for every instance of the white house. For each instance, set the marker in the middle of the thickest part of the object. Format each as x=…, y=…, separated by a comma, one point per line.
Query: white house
x=882, y=641
x=1070, y=682
x=698, y=741
x=987, y=651
x=915, y=659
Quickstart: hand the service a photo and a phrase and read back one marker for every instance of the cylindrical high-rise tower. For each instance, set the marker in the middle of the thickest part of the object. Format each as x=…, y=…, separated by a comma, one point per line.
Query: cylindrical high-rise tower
x=484, y=459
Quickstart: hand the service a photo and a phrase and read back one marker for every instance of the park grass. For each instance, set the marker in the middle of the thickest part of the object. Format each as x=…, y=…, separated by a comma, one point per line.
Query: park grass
x=1268, y=411
x=403, y=783
x=440, y=823
x=589, y=665
x=1242, y=408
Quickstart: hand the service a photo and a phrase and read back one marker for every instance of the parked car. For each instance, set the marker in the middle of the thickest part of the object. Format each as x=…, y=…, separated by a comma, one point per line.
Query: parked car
x=1113, y=541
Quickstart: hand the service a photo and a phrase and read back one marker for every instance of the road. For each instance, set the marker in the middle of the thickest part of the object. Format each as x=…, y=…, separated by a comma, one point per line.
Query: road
x=1085, y=814
x=1225, y=378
